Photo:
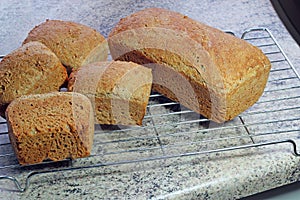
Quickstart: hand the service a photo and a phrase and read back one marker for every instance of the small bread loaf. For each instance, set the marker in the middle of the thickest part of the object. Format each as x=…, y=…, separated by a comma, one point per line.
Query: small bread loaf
x=53, y=126
x=74, y=44
x=119, y=90
x=31, y=69
x=211, y=72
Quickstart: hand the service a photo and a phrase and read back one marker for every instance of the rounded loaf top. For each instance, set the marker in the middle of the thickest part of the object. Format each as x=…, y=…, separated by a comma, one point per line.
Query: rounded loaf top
x=75, y=44
x=31, y=69
x=227, y=59
x=110, y=79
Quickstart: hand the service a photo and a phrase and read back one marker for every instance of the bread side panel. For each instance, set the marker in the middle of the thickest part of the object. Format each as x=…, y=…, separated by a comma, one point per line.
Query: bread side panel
x=119, y=111
x=248, y=92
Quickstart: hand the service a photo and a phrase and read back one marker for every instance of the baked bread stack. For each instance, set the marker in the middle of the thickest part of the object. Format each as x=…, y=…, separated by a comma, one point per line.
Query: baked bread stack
x=42, y=124
x=31, y=69
x=52, y=126
x=119, y=90
x=74, y=44
x=202, y=68
x=213, y=73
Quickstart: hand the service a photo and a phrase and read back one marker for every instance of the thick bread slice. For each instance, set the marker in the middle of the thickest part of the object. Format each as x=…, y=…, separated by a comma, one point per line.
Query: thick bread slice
x=74, y=44
x=51, y=126
x=119, y=90
x=203, y=68
x=31, y=69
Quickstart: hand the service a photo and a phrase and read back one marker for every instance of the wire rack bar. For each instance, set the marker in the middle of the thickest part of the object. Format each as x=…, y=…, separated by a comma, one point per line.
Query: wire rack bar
x=275, y=43
x=24, y=188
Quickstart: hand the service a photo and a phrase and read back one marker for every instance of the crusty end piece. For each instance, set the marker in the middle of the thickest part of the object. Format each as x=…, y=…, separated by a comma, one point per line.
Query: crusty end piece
x=118, y=90
x=31, y=69
x=74, y=44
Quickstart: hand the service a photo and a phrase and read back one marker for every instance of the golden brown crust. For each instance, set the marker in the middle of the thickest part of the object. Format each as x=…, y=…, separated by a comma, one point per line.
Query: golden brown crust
x=31, y=69
x=74, y=44
x=232, y=55
x=51, y=126
x=119, y=90
x=222, y=65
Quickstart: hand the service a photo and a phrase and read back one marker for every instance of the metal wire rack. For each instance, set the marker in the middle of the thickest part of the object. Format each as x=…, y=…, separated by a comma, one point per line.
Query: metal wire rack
x=169, y=130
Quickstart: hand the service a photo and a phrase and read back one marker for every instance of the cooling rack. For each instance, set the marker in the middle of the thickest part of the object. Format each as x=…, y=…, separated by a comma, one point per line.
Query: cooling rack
x=170, y=130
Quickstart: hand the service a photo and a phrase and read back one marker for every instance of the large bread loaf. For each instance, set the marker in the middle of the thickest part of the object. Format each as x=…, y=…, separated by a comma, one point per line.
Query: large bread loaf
x=211, y=72
x=51, y=126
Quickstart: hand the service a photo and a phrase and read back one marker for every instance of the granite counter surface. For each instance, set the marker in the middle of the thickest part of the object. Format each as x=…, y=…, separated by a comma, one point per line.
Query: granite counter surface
x=220, y=175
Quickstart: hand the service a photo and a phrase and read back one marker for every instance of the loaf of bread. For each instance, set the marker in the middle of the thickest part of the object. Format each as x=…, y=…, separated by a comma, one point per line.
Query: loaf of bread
x=53, y=126
x=31, y=69
x=74, y=44
x=211, y=72
x=119, y=90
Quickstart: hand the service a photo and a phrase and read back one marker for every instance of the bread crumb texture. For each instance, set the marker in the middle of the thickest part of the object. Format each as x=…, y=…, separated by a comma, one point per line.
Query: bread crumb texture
x=53, y=126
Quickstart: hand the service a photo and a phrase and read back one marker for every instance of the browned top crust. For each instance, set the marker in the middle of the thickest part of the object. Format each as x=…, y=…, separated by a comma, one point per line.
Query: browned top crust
x=72, y=107
x=73, y=43
x=232, y=58
x=111, y=79
x=31, y=69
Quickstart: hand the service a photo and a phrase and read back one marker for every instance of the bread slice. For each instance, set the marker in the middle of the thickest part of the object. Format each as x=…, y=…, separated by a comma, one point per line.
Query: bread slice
x=119, y=90
x=53, y=126
x=211, y=72
x=31, y=69
x=74, y=44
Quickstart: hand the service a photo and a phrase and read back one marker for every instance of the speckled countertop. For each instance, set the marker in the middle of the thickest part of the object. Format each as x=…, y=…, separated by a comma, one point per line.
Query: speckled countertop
x=219, y=175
